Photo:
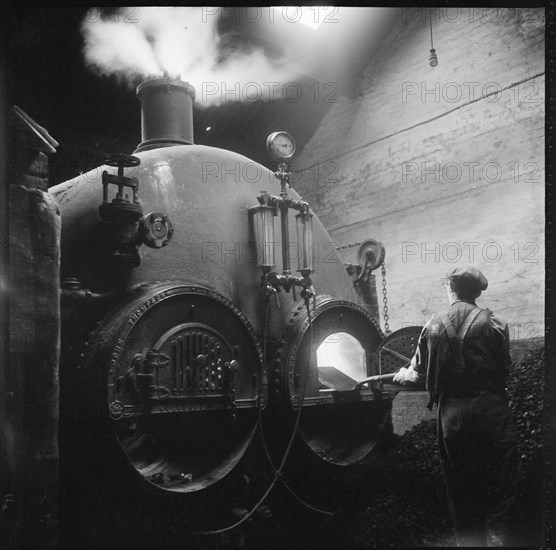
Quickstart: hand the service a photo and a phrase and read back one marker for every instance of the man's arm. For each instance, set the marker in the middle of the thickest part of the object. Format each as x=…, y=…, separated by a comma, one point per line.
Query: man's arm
x=502, y=335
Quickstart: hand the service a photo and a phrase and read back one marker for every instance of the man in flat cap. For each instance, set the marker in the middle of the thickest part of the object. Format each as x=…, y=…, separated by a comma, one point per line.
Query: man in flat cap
x=463, y=357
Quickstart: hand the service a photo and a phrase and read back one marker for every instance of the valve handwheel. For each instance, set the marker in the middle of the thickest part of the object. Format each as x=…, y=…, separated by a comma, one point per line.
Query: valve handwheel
x=155, y=230
x=121, y=160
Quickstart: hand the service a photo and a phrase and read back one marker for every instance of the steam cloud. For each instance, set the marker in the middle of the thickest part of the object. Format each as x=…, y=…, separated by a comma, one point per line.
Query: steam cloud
x=146, y=41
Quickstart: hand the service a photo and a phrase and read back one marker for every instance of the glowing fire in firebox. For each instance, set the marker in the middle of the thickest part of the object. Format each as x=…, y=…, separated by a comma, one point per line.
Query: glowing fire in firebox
x=179, y=42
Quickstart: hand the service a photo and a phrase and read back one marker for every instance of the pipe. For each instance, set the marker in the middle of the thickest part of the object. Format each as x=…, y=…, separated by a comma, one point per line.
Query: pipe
x=166, y=113
x=73, y=293
x=285, y=233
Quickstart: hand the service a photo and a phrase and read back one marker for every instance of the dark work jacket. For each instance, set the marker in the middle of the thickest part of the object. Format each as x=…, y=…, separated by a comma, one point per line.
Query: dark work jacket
x=486, y=356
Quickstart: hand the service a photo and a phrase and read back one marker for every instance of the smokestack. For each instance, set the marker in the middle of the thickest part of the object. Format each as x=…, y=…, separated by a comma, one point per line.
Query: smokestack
x=166, y=113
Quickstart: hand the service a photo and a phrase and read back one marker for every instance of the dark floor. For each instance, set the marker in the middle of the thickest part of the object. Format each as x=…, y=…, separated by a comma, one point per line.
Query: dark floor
x=398, y=501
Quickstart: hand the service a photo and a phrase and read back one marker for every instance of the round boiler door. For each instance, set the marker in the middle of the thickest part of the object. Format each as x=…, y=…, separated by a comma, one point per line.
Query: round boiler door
x=324, y=356
x=182, y=383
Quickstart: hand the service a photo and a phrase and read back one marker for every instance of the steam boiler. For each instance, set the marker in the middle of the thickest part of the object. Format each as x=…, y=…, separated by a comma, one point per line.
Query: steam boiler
x=211, y=335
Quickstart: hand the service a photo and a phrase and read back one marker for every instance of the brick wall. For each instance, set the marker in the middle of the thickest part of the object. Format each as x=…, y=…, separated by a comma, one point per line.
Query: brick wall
x=444, y=165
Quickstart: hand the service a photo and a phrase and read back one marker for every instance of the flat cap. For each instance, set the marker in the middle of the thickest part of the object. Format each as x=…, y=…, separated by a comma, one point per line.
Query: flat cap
x=468, y=278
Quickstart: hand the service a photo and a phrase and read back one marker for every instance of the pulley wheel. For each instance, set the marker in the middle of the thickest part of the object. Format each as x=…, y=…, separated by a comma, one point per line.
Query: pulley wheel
x=371, y=251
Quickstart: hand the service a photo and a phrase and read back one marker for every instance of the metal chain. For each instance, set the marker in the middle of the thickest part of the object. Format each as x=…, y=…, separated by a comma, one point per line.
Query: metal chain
x=385, y=301
x=349, y=245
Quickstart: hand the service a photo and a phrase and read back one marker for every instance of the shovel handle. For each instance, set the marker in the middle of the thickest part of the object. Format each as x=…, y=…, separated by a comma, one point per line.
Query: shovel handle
x=376, y=378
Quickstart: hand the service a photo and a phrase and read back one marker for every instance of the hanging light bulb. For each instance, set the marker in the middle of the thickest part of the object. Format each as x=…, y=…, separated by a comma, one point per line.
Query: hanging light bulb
x=433, y=60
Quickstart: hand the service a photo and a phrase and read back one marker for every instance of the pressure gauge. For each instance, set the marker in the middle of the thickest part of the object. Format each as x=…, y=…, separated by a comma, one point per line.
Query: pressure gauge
x=280, y=146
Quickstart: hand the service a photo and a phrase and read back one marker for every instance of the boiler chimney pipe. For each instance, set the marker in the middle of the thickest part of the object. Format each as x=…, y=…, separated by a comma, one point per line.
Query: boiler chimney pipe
x=166, y=113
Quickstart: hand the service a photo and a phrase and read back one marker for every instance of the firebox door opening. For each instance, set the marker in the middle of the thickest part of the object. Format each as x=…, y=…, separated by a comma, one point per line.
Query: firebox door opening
x=341, y=362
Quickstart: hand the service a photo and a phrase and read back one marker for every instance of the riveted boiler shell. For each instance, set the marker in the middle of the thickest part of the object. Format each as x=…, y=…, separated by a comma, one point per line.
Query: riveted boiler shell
x=206, y=193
